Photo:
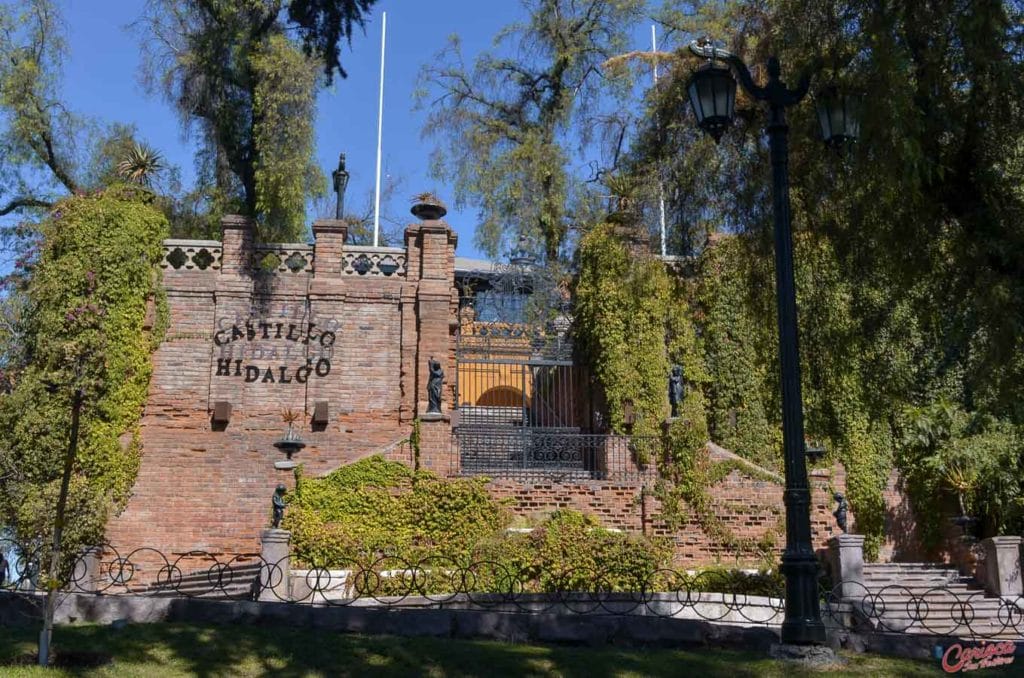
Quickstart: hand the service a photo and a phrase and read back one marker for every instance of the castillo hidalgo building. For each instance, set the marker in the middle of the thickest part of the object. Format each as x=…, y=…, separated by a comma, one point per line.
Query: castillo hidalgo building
x=340, y=336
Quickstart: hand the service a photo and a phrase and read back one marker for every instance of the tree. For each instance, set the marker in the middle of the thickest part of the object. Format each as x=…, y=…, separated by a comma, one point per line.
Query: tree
x=909, y=246
x=38, y=144
x=140, y=165
x=509, y=120
x=235, y=76
x=47, y=152
x=83, y=327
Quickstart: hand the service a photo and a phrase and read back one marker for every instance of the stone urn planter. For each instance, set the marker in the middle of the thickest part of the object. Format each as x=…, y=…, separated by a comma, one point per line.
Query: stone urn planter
x=427, y=206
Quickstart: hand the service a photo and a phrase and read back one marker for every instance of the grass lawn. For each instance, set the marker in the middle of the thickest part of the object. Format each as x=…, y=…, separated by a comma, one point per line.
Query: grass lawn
x=158, y=650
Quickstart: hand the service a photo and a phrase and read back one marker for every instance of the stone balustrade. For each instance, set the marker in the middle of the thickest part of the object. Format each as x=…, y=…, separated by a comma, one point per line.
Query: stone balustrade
x=284, y=258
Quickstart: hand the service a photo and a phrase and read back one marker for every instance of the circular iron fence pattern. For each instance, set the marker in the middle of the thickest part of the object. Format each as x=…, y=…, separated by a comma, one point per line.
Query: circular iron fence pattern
x=387, y=580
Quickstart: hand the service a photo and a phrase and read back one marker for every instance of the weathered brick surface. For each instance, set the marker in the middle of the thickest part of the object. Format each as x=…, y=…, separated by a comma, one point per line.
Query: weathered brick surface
x=267, y=343
x=750, y=508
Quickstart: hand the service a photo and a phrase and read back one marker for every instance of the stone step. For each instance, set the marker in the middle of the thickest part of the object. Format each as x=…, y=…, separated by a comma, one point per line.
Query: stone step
x=941, y=608
x=917, y=583
x=231, y=580
x=920, y=586
x=910, y=566
x=914, y=571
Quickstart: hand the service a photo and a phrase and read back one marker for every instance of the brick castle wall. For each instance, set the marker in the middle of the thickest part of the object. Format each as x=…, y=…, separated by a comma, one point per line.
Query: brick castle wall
x=266, y=342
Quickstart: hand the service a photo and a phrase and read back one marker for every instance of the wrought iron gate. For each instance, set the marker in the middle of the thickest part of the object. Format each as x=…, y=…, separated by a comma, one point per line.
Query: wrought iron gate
x=523, y=404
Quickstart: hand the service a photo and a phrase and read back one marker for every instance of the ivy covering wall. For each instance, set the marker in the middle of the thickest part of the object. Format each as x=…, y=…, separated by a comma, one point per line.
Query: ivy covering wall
x=378, y=513
x=867, y=358
x=635, y=318
x=93, y=313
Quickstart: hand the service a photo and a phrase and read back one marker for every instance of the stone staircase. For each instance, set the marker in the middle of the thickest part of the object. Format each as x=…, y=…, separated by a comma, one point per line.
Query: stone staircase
x=228, y=582
x=931, y=599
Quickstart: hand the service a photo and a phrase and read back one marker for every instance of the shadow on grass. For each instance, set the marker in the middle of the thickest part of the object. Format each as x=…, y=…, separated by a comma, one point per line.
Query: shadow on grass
x=205, y=651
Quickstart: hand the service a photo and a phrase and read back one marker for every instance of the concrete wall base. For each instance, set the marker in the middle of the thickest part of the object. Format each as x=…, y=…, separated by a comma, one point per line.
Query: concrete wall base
x=515, y=627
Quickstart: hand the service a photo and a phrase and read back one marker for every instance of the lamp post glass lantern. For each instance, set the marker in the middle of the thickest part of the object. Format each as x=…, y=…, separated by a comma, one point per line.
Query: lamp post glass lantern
x=712, y=92
x=838, y=116
x=712, y=98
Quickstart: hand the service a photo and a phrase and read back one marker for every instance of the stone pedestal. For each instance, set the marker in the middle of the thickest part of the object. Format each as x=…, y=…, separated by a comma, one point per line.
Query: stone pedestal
x=87, y=576
x=436, y=445
x=276, y=571
x=1003, y=566
x=846, y=552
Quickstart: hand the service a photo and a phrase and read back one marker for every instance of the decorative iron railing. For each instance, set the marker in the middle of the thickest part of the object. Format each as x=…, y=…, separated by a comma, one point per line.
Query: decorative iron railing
x=525, y=452
x=437, y=581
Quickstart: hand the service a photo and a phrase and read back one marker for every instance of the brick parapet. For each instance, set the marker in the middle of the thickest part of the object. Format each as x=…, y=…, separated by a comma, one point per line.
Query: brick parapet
x=328, y=252
x=237, y=243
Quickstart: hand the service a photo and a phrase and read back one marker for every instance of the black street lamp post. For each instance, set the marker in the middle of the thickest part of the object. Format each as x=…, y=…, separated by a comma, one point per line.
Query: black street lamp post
x=712, y=92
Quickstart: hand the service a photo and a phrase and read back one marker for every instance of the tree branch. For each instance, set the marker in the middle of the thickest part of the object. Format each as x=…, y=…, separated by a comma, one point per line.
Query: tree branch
x=21, y=203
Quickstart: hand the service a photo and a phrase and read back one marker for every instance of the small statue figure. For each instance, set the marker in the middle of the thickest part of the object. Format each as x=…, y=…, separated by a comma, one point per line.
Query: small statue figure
x=3, y=570
x=278, y=502
x=840, y=512
x=676, y=390
x=434, y=386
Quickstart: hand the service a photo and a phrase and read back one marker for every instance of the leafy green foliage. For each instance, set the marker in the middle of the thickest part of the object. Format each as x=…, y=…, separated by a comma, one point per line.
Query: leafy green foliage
x=571, y=552
x=736, y=340
x=39, y=135
x=945, y=450
x=235, y=74
x=85, y=327
x=374, y=506
x=509, y=118
x=908, y=244
x=46, y=150
x=382, y=514
x=621, y=314
x=283, y=113
x=323, y=23
x=140, y=165
x=633, y=320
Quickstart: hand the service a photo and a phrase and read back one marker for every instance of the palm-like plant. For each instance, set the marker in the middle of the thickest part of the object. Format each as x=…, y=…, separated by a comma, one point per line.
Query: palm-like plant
x=141, y=165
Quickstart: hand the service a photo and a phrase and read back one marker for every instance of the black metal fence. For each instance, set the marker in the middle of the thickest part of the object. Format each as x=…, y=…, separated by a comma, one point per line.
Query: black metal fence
x=394, y=582
x=527, y=453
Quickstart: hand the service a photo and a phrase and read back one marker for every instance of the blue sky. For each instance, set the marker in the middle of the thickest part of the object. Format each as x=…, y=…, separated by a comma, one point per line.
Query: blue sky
x=101, y=80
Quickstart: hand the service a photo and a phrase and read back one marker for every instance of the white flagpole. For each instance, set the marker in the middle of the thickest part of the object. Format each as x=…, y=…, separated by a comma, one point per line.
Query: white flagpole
x=661, y=188
x=380, y=131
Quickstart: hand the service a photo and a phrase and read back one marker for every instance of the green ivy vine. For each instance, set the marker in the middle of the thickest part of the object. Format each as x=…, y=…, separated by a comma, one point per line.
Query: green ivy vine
x=621, y=310
x=94, y=313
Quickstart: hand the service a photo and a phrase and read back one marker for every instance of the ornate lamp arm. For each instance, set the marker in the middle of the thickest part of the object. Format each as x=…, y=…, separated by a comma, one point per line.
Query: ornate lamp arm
x=709, y=51
x=775, y=93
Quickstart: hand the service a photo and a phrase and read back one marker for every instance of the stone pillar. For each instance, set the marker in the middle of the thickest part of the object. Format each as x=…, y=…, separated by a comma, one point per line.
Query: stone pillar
x=431, y=259
x=237, y=234
x=1003, y=566
x=276, y=571
x=329, y=247
x=846, y=552
x=87, y=576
